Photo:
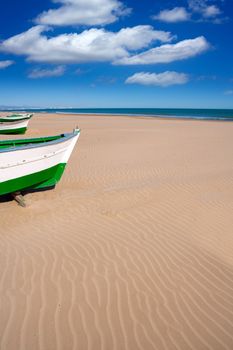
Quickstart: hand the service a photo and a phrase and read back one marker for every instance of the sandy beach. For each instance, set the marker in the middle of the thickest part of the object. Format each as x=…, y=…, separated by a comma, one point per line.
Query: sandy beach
x=132, y=250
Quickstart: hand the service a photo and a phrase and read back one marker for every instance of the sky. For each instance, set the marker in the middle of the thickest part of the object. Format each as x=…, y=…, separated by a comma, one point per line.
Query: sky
x=116, y=54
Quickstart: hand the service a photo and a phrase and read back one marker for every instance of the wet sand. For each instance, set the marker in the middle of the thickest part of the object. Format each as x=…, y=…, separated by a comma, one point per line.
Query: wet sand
x=134, y=247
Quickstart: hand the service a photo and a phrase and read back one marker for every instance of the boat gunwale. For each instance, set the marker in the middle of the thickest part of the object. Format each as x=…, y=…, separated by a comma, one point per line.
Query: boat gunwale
x=43, y=143
x=13, y=121
x=14, y=118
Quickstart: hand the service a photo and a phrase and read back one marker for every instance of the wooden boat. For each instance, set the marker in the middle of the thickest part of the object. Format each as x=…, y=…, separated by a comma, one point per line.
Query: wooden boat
x=36, y=163
x=15, y=123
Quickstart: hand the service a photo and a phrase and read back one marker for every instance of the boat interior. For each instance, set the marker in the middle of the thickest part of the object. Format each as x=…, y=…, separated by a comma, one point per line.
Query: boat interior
x=25, y=142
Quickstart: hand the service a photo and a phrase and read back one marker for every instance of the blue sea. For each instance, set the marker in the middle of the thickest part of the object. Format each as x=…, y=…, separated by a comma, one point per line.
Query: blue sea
x=182, y=113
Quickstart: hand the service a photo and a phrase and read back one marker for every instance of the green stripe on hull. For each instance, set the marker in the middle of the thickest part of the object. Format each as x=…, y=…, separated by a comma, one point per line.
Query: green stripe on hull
x=13, y=131
x=12, y=120
x=42, y=179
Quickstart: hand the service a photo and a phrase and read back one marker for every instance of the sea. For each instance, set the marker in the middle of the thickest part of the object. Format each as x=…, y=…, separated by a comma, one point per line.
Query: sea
x=182, y=113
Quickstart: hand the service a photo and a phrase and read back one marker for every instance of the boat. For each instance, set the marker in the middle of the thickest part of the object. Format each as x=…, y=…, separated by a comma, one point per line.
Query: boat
x=34, y=163
x=15, y=123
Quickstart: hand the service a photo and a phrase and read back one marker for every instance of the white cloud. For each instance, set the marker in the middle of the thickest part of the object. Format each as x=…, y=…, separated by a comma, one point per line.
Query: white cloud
x=202, y=7
x=162, y=79
x=83, y=12
x=45, y=73
x=177, y=14
x=5, y=64
x=168, y=53
x=211, y=11
x=90, y=45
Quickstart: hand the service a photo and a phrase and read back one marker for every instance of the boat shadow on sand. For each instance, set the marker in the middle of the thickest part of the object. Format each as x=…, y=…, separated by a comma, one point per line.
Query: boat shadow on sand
x=10, y=197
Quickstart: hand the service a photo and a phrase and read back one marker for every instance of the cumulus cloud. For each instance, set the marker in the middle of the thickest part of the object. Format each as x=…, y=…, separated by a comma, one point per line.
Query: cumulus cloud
x=177, y=14
x=90, y=45
x=168, y=53
x=200, y=10
x=211, y=11
x=45, y=73
x=5, y=64
x=162, y=79
x=83, y=12
x=204, y=8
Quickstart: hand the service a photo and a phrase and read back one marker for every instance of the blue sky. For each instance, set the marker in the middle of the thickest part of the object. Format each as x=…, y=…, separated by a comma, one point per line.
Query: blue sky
x=112, y=53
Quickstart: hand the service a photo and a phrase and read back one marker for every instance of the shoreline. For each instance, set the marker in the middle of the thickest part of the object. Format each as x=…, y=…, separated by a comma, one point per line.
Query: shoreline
x=148, y=116
x=132, y=115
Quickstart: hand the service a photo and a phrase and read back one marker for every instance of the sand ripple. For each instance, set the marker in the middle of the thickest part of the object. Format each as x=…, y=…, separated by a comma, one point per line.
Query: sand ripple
x=133, y=250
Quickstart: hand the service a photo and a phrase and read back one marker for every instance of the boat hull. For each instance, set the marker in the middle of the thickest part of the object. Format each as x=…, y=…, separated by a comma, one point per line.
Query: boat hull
x=17, y=127
x=43, y=179
x=35, y=168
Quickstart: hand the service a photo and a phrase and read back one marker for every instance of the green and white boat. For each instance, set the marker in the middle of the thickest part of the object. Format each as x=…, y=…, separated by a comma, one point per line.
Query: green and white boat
x=15, y=123
x=35, y=163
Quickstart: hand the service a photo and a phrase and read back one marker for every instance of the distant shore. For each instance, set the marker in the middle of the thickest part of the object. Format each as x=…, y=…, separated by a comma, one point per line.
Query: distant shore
x=167, y=113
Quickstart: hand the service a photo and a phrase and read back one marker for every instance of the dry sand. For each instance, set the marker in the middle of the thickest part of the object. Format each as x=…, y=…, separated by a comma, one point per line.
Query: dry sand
x=134, y=247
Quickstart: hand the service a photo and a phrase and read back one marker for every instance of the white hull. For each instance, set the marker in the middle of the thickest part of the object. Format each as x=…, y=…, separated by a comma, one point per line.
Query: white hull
x=14, y=125
x=26, y=161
